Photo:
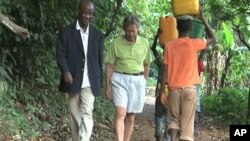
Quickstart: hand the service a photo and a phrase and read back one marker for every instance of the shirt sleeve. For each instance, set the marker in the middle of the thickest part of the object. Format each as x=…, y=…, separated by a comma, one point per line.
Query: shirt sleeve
x=110, y=55
x=200, y=44
x=148, y=55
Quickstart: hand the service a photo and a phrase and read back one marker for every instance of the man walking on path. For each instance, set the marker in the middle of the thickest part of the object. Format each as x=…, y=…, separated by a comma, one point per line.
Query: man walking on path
x=80, y=59
x=127, y=70
x=162, y=115
x=180, y=69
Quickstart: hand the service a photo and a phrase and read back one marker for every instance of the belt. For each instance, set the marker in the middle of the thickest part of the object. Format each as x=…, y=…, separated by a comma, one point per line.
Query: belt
x=139, y=73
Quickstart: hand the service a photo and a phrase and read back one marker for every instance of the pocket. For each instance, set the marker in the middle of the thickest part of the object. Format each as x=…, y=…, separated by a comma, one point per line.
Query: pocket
x=113, y=77
x=141, y=82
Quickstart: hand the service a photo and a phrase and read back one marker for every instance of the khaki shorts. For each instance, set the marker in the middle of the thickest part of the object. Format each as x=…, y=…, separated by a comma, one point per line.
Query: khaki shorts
x=182, y=106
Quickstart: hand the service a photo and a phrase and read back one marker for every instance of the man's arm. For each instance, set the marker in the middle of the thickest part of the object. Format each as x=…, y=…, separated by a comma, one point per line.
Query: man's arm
x=153, y=48
x=101, y=46
x=61, y=52
x=109, y=72
x=211, y=37
x=163, y=78
x=146, y=70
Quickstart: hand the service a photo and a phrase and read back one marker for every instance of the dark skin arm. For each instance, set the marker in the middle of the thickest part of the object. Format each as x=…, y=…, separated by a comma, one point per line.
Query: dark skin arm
x=210, y=35
x=156, y=54
x=202, y=55
x=163, y=78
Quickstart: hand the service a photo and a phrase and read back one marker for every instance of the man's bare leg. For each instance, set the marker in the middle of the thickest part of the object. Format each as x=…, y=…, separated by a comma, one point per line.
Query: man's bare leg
x=174, y=133
x=129, y=126
x=119, y=123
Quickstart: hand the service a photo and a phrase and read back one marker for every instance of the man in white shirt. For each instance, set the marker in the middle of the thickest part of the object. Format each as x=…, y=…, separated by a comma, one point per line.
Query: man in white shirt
x=80, y=59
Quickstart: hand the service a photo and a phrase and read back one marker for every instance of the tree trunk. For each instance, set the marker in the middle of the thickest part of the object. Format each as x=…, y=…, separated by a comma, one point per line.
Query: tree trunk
x=216, y=75
x=210, y=73
x=224, y=73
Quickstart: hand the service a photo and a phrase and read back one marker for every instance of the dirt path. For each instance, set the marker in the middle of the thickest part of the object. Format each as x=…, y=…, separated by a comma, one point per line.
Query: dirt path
x=144, y=127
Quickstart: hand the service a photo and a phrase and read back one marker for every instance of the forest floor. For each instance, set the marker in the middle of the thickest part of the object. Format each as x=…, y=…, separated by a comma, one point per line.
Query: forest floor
x=144, y=128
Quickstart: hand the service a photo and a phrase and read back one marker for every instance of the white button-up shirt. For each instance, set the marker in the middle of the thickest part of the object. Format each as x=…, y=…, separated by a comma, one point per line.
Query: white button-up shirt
x=85, y=37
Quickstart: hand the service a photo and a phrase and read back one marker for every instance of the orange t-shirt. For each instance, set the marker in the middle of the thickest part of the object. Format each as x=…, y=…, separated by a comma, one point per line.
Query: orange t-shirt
x=180, y=55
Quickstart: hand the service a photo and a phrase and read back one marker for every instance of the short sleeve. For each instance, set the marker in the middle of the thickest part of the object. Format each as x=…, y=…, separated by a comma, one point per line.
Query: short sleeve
x=148, y=56
x=200, y=44
x=110, y=55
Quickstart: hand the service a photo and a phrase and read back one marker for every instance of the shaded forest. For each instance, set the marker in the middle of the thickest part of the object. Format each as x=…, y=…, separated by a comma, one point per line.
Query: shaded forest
x=30, y=103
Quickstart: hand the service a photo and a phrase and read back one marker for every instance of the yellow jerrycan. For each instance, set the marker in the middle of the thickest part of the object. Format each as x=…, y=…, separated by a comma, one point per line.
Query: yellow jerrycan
x=185, y=7
x=168, y=29
x=164, y=95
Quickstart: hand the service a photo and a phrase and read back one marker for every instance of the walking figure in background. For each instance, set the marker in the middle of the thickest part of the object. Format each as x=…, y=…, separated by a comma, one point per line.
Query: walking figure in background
x=181, y=70
x=201, y=68
x=162, y=115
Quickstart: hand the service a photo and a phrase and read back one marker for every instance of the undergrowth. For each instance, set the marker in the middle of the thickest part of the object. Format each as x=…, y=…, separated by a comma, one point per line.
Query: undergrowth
x=228, y=107
x=27, y=113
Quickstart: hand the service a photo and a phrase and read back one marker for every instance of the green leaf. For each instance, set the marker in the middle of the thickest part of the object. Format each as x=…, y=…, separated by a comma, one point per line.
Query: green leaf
x=36, y=36
x=228, y=34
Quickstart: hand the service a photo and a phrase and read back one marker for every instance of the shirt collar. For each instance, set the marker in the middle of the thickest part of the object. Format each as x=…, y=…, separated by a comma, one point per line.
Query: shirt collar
x=138, y=40
x=78, y=27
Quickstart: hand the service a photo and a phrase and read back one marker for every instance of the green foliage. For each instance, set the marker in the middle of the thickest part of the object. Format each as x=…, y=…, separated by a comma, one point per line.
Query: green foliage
x=104, y=109
x=230, y=107
x=27, y=113
x=13, y=120
x=152, y=81
x=229, y=35
x=31, y=64
x=239, y=74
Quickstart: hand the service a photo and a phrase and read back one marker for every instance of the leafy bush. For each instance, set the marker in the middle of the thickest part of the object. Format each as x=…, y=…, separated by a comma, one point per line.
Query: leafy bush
x=230, y=107
x=104, y=110
x=14, y=122
x=26, y=113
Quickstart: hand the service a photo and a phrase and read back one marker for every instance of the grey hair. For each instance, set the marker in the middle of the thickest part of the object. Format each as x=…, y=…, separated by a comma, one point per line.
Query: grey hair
x=131, y=20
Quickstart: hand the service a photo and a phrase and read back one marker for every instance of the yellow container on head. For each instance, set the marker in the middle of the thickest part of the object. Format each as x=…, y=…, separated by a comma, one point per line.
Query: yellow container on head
x=185, y=7
x=168, y=29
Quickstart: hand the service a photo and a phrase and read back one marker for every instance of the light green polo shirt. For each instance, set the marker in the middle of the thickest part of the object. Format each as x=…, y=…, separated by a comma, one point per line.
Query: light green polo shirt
x=127, y=57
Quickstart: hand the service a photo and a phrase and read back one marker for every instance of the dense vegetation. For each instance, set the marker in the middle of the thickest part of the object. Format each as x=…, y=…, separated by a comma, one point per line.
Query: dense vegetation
x=29, y=75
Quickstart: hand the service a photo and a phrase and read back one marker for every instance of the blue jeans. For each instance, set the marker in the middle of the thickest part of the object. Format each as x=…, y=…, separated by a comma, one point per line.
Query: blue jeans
x=198, y=111
x=162, y=120
x=198, y=95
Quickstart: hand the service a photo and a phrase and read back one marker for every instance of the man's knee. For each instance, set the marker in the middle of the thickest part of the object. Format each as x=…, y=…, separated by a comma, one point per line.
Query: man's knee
x=120, y=113
x=130, y=118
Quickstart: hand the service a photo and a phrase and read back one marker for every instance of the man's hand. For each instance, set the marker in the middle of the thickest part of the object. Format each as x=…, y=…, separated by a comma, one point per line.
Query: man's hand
x=164, y=97
x=68, y=78
x=201, y=15
x=109, y=92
